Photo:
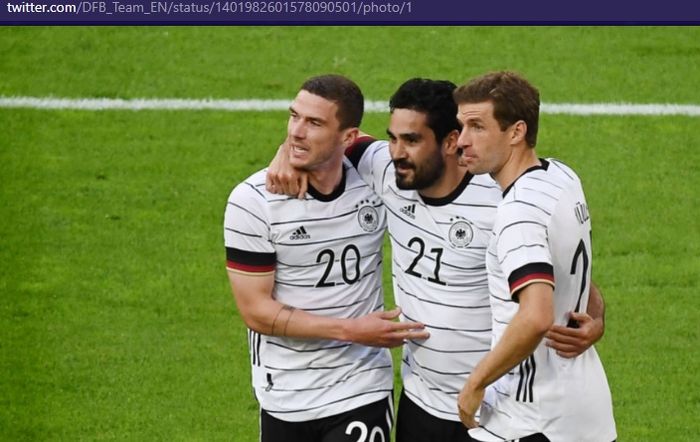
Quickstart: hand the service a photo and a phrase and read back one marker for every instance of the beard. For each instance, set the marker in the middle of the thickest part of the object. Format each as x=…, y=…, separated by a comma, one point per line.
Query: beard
x=423, y=176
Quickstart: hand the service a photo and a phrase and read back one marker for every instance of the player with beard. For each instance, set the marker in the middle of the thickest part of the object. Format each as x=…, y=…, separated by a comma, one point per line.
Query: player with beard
x=439, y=222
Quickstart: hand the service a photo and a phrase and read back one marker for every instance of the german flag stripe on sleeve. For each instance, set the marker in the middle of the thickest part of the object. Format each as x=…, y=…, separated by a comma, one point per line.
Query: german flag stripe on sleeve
x=250, y=262
x=530, y=273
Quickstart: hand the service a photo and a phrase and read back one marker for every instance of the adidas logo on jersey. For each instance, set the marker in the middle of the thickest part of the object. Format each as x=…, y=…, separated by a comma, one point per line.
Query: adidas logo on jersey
x=300, y=233
x=409, y=211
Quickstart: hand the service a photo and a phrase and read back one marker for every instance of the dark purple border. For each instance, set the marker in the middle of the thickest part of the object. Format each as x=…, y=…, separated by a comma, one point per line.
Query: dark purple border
x=381, y=12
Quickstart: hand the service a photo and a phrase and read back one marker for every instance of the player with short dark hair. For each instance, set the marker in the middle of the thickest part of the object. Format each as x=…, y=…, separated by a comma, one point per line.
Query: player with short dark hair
x=343, y=92
x=539, y=269
x=306, y=277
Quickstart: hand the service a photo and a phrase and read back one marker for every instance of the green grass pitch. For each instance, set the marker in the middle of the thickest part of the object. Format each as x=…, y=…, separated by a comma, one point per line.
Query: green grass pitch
x=116, y=319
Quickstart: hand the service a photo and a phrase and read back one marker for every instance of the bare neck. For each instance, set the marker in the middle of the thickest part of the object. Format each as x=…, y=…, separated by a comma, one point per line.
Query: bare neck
x=521, y=160
x=327, y=178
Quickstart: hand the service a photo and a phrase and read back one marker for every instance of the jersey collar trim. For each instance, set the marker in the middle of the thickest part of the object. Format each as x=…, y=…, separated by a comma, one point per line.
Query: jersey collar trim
x=445, y=200
x=331, y=196
x=543, y=166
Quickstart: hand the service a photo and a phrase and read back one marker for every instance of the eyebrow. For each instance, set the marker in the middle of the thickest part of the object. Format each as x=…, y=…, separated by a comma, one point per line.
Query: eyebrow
x=314, y=119
x=468, y=118
x=410, y=136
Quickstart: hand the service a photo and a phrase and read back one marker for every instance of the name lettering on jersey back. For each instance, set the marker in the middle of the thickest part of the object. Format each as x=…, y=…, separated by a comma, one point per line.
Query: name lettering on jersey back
x=581, y=211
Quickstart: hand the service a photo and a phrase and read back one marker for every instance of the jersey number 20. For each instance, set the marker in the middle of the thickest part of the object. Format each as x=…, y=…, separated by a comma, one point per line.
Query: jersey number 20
x=350, y=277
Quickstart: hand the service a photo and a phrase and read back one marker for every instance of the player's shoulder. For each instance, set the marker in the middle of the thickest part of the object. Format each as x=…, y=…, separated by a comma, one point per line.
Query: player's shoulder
x=561, y=171
x=368, y=142
x=531, y=197
x=251, y=188
x=481, y=190
x=364, y=147
x=486, y=184
x=379, y=144
x=551, y=178
x=484, y=180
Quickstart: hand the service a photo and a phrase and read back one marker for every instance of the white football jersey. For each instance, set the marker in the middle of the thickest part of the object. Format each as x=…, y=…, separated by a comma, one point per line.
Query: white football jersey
x=439, y=277
x=542, y=233
x=326, y=254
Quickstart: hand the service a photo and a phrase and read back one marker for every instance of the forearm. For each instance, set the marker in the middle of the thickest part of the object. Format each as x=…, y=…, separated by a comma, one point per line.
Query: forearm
x=522, y=336
x=518, y=342
x=297, y=323
x=596, y=305
x=261, y=312
x=270, y=317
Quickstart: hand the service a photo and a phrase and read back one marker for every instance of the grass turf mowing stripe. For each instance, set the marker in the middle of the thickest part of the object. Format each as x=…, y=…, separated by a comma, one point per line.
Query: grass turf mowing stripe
x=98, y=104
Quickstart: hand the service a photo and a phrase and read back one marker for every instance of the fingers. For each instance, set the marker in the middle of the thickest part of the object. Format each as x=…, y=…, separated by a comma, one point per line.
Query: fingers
x=468, y=421
x=414, y=334
x=407, y=325
x=400, y=331
x=567, y=342
x=291, y=185
x=564, y=335
x=580, y=317
x=564, y=350
x=568, y=354
x=390, y=314
x=281, y=183
x=303, y=186
x=410, y=329
x=467, y=418
x=271, y=181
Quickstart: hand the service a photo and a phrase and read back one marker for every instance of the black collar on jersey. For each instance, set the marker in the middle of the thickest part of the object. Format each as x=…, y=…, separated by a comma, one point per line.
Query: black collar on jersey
x=443, y=201
x=331, y=196
x=544, y=166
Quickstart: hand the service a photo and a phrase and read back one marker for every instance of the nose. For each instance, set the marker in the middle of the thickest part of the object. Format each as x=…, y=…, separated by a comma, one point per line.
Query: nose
x=463, y=140
x=297, y=129
x=397, y=150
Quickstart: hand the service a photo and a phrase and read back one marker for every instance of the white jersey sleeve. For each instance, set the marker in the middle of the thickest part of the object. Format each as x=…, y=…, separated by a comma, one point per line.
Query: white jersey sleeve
x=521, y=242
x=249, y=247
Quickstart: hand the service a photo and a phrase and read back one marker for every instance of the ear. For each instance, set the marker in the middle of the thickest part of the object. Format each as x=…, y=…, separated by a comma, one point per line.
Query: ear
x=519, y=130
x=349, y=136
x=449, y=143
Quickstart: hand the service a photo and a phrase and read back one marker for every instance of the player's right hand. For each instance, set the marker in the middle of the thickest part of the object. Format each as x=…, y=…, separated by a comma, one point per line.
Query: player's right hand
x=380, y=329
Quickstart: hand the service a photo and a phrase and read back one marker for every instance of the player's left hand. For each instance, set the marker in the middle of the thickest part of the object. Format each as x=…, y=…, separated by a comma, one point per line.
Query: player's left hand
x=571, y=342
x=468, y=402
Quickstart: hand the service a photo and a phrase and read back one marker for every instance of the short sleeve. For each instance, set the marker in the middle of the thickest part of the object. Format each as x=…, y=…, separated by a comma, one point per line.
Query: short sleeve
x=247, y=231
x=522, y=246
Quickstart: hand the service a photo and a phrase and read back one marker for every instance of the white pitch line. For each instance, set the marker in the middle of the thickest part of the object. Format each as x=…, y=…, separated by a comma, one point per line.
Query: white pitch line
x=135, y=104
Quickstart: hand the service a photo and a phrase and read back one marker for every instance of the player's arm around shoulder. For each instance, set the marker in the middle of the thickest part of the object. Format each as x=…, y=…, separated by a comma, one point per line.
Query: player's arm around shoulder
x=283, y=179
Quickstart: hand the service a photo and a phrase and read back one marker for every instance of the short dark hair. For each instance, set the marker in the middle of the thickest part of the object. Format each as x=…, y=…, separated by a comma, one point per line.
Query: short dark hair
x=431, y=97
x=513, y=98
x=343, y=92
